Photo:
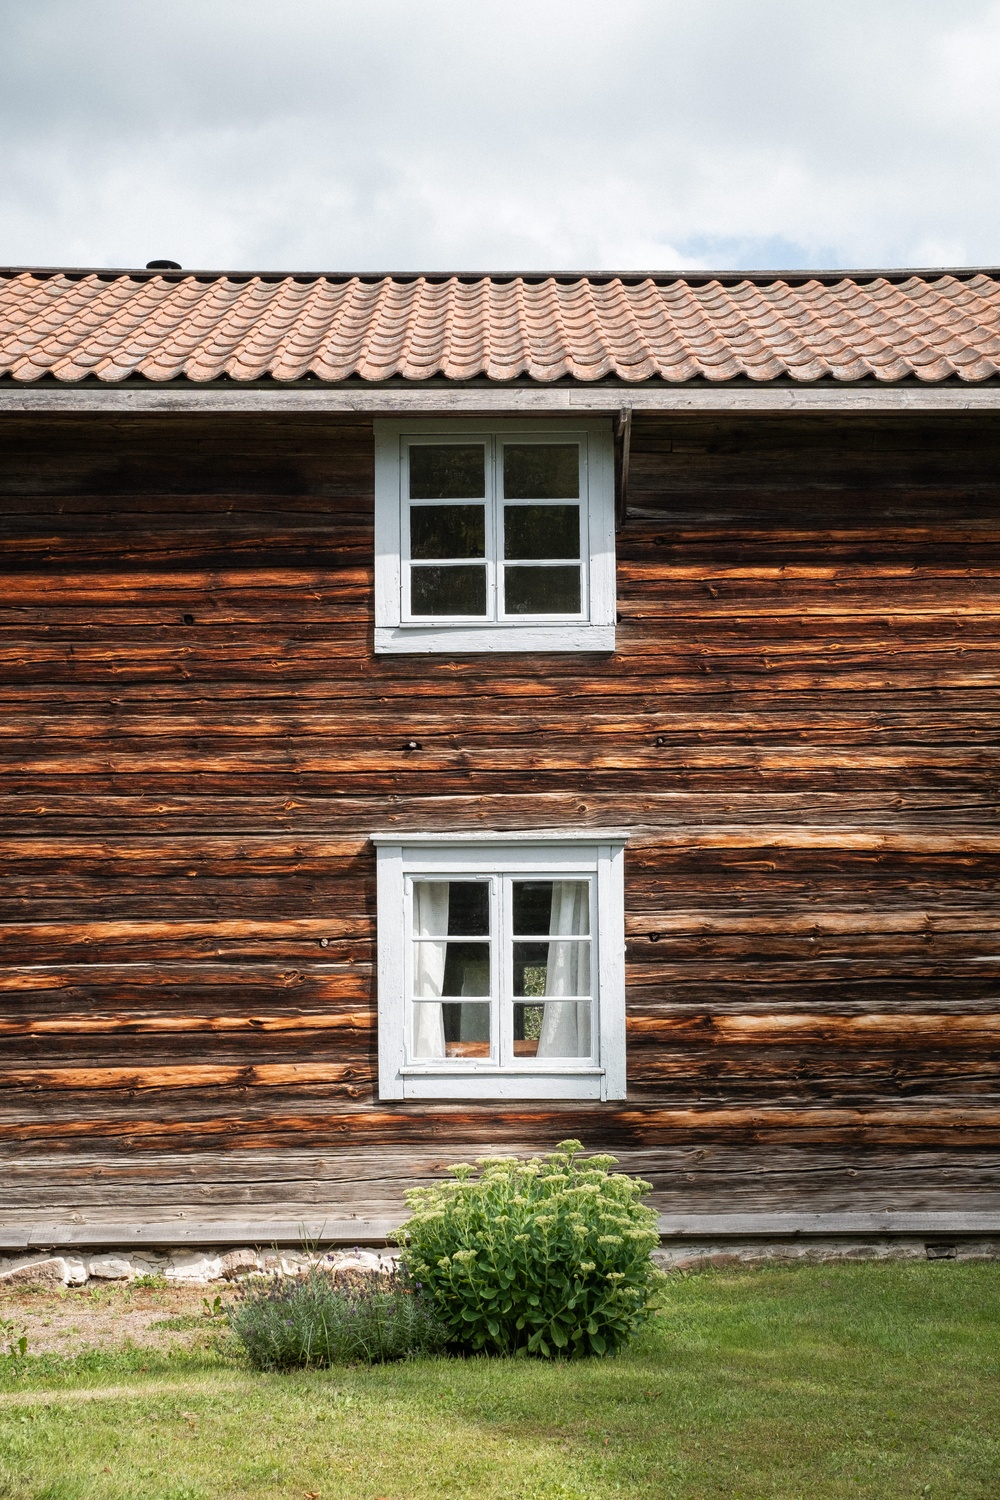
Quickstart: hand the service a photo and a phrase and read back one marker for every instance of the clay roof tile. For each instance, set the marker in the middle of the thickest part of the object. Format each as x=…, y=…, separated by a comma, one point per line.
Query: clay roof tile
x=112, y=326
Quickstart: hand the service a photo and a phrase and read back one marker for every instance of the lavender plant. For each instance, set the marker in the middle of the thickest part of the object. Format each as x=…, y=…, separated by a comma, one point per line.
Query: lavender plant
x=549, y=1256
x=321, y=1319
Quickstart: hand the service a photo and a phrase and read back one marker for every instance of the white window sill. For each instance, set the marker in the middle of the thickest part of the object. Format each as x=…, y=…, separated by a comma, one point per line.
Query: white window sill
x=486, y=1070
x=510, y=1085
x=464, y=639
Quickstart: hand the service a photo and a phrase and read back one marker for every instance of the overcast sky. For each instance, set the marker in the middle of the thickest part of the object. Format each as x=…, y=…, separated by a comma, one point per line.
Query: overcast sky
x=500, y=134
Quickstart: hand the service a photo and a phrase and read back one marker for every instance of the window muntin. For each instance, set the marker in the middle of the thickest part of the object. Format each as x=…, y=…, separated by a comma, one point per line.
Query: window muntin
x=519, y=554
x=521, y=948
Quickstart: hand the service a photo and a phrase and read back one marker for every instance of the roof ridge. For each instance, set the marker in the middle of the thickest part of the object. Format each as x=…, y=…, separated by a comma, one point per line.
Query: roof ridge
x=790, y=276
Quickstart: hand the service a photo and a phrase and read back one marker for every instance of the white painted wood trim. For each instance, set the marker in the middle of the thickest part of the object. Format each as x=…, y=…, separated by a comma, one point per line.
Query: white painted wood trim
x=543, y=837
x=505, y=1087
x=486, y=400
x=611, y=966
x=601, y=529
x=390, y=940
x=395, y=635
x=387, y=532
x=478, y=853
x=466, y=640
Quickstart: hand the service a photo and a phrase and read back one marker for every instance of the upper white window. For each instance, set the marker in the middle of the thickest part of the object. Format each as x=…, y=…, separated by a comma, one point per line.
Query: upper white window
x=494, y=539
x=501, y=966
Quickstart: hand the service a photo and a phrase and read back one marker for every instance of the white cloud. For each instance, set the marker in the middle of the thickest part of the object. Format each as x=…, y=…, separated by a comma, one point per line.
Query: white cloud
x=474, y=134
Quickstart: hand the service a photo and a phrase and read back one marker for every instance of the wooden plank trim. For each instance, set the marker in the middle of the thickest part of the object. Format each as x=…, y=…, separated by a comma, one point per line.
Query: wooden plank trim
x=786, y=1225
x=672, y=1227
x=388, y=400
x=181, y=1231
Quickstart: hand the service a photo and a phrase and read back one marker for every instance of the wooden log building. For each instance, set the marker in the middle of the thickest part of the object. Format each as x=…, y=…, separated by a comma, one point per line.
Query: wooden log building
x=616, y=655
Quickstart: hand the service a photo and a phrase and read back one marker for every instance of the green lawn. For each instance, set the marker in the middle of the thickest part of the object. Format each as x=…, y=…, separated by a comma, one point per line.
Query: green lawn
x=849, y=1381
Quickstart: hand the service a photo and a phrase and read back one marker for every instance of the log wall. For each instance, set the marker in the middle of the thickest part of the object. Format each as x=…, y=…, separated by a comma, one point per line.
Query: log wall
x=800, y=725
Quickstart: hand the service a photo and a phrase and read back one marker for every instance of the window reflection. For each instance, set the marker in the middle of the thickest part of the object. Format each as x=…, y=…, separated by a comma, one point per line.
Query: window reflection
x=447, y=471
x=542, y=591
x=541, y=531
x=456, y=590
x=442, y=532
x=541, y=471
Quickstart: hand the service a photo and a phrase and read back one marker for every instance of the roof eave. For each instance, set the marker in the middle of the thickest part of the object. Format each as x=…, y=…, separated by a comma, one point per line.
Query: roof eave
x=472, y=398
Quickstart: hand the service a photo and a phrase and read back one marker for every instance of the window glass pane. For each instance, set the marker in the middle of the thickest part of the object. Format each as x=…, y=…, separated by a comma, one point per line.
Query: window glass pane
x=469, y=908
x=532, y=907
x=450, y=531
x=527, y=1029
x=556, y=968
x=541, y=471
x=448, y=471
x=451, y=908
x=541, y=531
x=466, y=1030
x=467, y=969
x=442, y=968
x=451, y=1030
x=541, y=591
x=458, y=590
x=560, y=1028
x=560, y=907
x=530, y=961
x=430, y=908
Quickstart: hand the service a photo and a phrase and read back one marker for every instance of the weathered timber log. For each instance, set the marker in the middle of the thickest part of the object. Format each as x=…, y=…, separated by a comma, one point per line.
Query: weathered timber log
x=196, y=742
x=938, y=1124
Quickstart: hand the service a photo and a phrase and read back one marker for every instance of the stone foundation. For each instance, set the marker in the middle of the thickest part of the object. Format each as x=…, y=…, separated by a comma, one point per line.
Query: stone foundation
x=200, y=1267
x=195, y=1266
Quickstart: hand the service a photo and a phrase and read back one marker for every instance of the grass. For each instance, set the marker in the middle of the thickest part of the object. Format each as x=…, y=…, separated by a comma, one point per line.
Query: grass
x=806, y=1383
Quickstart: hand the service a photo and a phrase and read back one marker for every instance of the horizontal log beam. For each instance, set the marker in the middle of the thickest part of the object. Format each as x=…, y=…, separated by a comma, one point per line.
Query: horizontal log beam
x=264, y=1231
x=471, y=399
x=950, y=1124
x=240, y=1075
x=254, y=851
x=166, y=1025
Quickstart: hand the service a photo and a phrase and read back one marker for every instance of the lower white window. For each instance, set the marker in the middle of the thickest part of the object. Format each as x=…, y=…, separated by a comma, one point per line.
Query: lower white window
x=501, y=966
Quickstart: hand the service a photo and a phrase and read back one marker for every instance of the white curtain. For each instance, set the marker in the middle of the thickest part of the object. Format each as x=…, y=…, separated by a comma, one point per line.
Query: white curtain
x=430, y=919
x=566, y=1027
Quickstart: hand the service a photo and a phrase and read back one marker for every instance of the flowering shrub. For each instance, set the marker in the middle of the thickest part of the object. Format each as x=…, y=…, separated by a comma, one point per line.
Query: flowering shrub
x=550, y=1256
x=324, y=1319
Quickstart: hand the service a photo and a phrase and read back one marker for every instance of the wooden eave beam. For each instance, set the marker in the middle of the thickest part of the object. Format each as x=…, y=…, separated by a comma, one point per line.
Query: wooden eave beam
x=496, y=400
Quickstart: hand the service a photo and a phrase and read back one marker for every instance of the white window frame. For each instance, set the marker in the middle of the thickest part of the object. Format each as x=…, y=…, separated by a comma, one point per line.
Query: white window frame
x=599, y=855
x=592, y=630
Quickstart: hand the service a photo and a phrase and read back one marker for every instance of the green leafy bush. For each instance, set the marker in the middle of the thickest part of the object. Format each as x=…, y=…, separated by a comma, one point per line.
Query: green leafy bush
x=549, y=1256
x=323, y=1318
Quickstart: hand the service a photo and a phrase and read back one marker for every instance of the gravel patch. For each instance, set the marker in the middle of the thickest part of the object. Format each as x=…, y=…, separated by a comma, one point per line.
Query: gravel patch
x=69, y=1320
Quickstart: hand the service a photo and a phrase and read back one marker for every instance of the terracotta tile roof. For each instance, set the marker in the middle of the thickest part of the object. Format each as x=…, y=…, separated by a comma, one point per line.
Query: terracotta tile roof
x=111, y=326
